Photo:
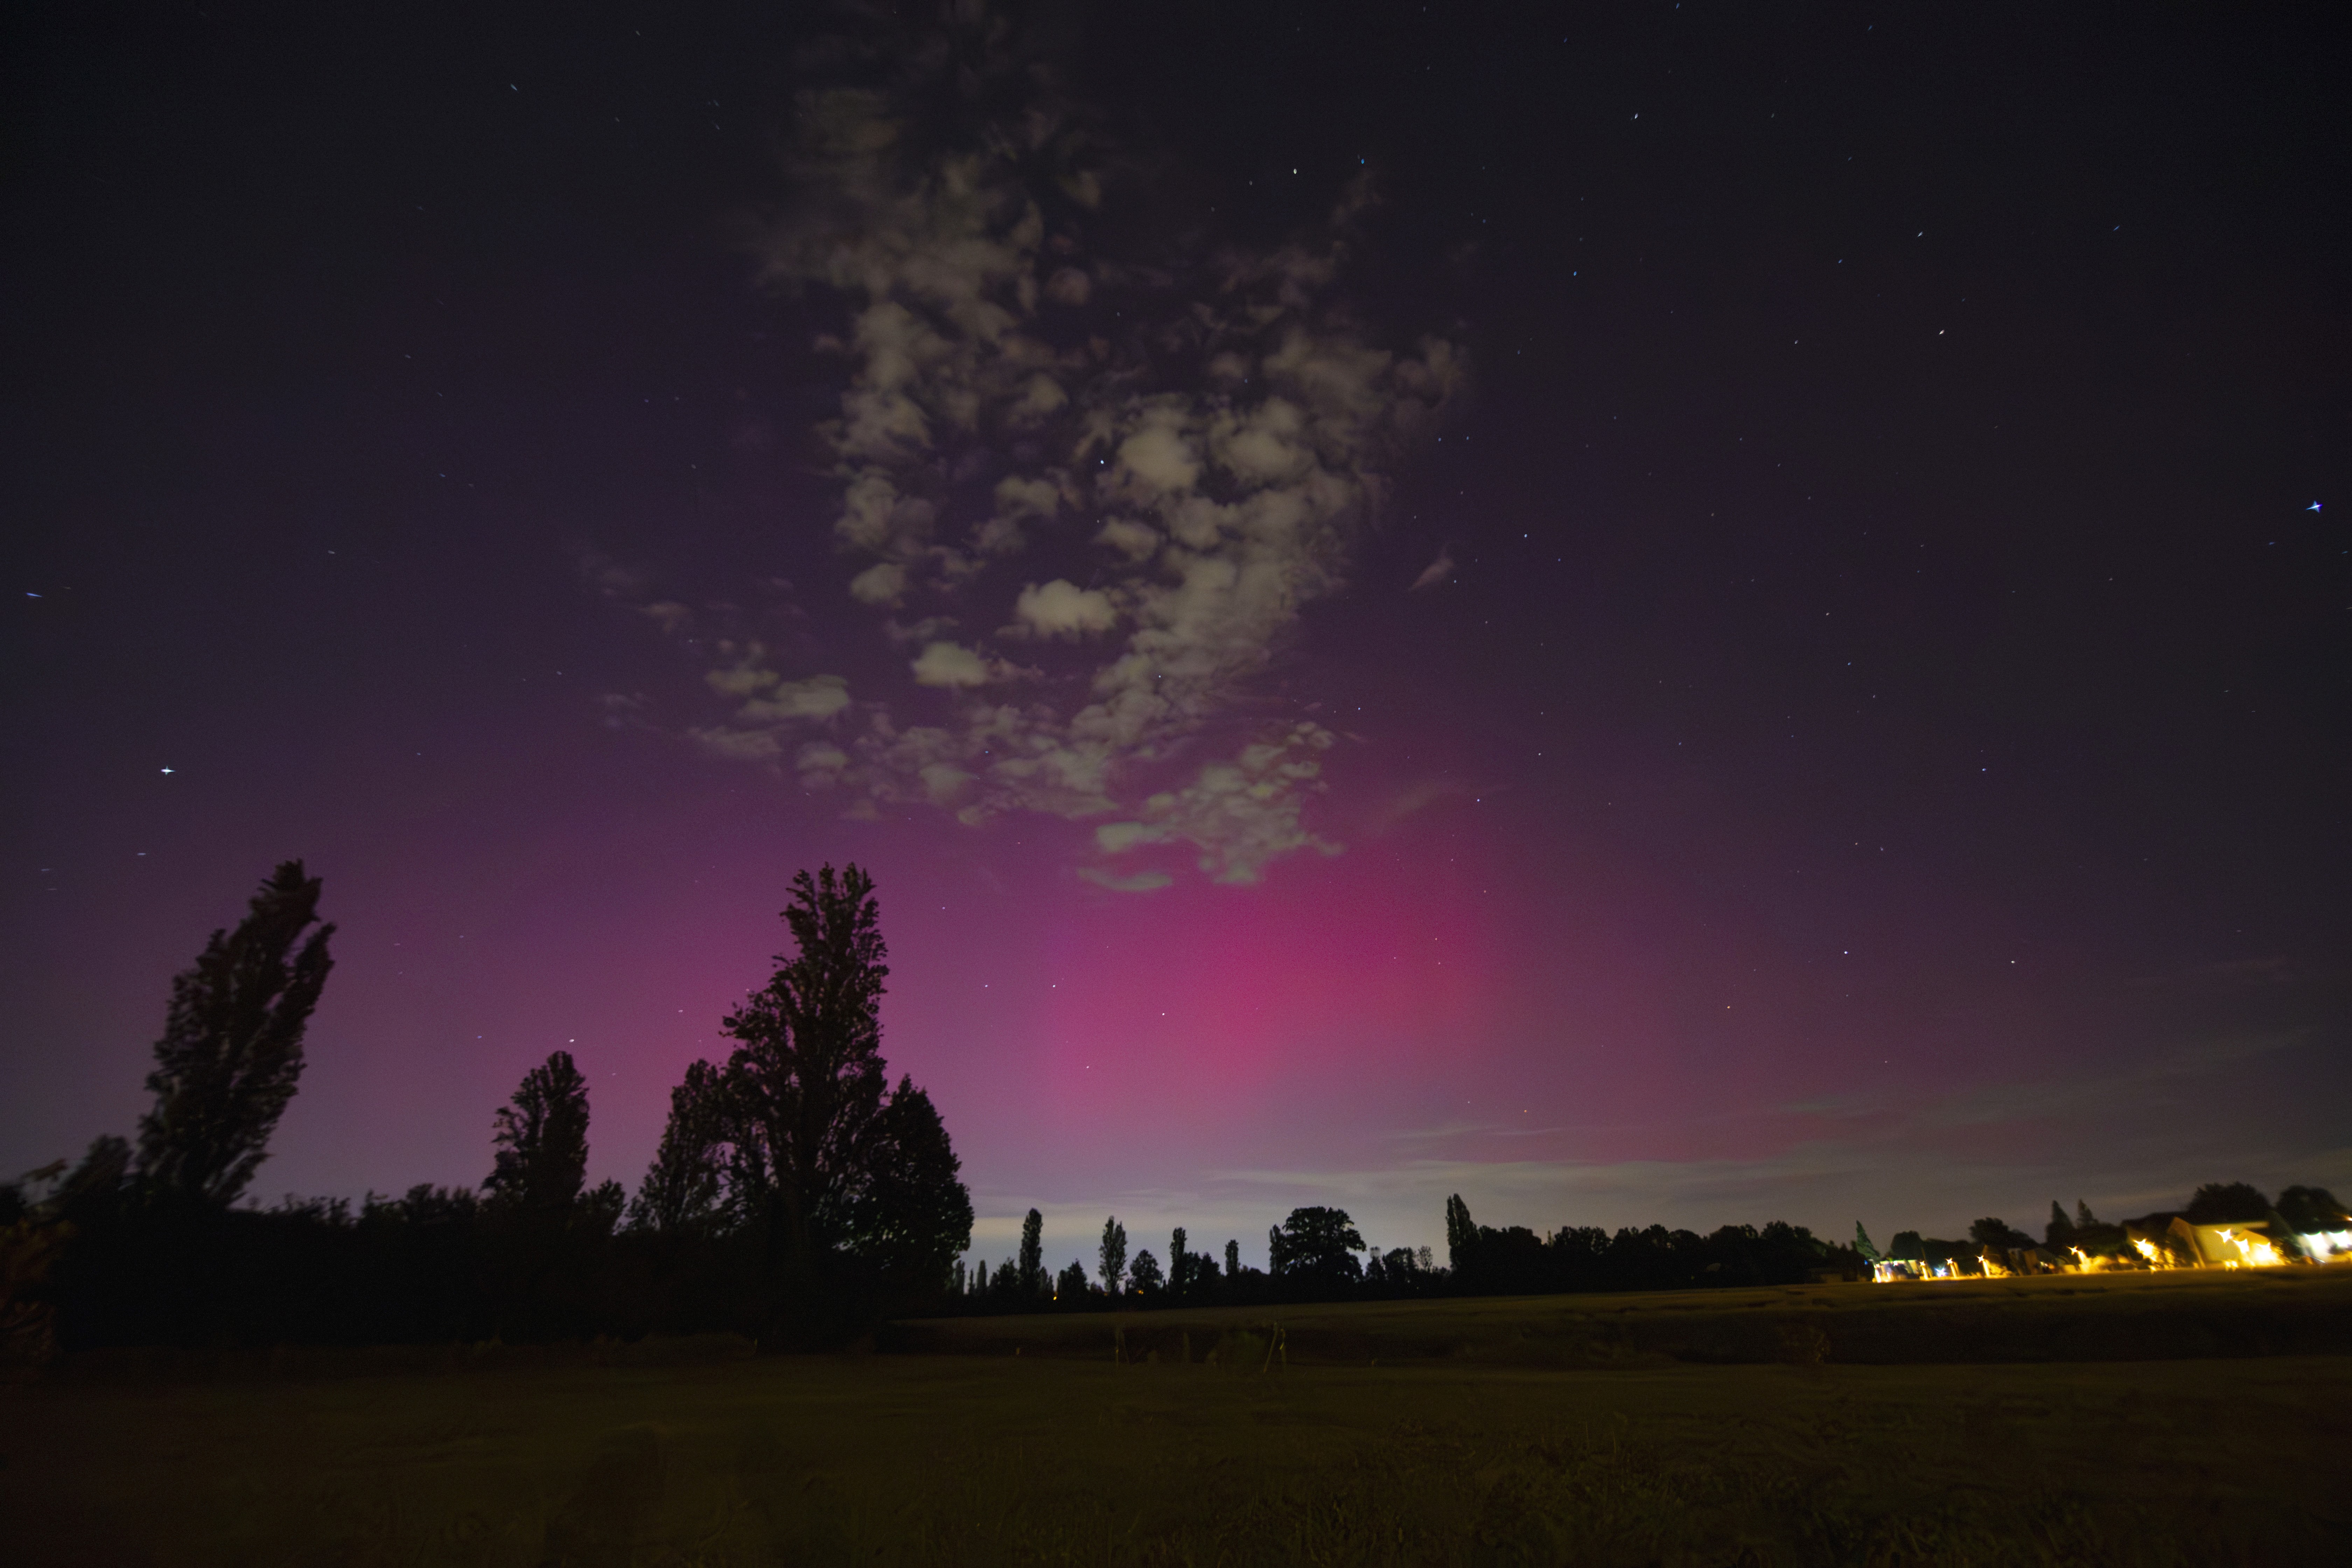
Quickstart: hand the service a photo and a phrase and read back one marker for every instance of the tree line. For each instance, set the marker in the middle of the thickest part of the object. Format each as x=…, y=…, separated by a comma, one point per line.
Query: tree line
x=1312, y=1256
x=797, y=1194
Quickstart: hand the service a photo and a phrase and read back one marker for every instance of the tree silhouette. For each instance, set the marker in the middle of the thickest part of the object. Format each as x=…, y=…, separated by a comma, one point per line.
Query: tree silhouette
x=1070, y=1285
x=1461, y=1236
x=2226, y=1202
x=1144, y=1272
x=910, y=1215
x=541, y=1137
x=1032, y=1254
x=1317, y=1245
x=1862, y=1243
x=2060, y=1231
x=818, y=1147
x=1232, y=1261
x=1180, y=1263
x=685, y=1184
x=232, y=1048
x=1998, y=1233
x=1113, y=1257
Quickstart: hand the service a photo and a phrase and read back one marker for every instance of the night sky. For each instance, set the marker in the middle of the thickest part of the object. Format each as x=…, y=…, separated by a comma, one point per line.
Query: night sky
x=1690, y=612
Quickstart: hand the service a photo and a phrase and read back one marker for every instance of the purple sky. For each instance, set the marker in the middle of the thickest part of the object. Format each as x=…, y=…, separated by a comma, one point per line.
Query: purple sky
x=1713, y=619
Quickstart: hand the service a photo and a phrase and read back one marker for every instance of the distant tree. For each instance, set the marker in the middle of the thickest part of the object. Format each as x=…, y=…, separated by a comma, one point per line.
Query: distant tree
x=541, y=1137
x=1317, y=1245
x=2312, y=1210
x=1070, y=1285
x=1461, y=1235
x=1032, y=1254
x=1862, y=1243
x=232, y=1048
x=1180, y=1263
x=1998, y=1233
x=1113, y=1265
x=2226, y=1202
x=1144, y=1272
x=1907, y=1246
x=685, y=1184
x=2060, y=1232
x=1232, y=1259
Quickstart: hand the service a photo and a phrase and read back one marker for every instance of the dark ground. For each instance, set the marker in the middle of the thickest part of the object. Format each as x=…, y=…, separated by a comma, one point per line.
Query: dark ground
x=609, y=1456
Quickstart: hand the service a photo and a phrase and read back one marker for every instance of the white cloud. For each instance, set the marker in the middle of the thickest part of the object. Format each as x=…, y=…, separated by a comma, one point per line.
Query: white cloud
x=818, y=697
x=951, y=664
x=1061, y=610
x=884, y=582
x=1437, y=571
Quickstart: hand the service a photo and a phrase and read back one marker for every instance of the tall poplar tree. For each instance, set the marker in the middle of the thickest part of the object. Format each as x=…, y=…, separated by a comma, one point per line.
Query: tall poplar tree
x=232, y=1048
x=1461, y=1235
x=1112, y=1259
x=1032, y=1254
x=799, y=1139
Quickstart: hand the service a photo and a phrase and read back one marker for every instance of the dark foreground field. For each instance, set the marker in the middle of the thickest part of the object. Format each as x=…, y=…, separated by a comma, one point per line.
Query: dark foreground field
x=1456, y=1457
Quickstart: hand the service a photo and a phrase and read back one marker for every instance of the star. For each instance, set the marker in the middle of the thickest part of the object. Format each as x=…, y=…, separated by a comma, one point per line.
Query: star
x=169, y=770
x=2313, y=507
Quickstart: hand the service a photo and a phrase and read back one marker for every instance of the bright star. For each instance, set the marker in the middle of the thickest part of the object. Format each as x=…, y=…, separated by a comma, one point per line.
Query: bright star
x=2313, y=507
x=168, y=770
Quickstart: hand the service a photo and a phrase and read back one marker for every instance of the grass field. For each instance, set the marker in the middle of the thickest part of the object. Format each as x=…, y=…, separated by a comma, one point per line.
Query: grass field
x=1446, y=1452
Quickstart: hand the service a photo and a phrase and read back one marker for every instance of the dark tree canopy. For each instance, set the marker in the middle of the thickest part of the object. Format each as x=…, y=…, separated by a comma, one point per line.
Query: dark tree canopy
x=1317, y=1245
x=2227, y=1203
x=232, y=1048
x=909, y=1215
x=1992, y=1231
x=541, y=1137
x=1145, y=1271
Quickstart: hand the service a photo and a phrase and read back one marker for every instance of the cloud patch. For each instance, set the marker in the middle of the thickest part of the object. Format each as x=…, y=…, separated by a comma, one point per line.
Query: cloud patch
x=1139, y=468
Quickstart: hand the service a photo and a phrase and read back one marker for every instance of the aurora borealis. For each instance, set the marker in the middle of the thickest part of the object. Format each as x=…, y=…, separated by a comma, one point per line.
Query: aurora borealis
x=1729, y=615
